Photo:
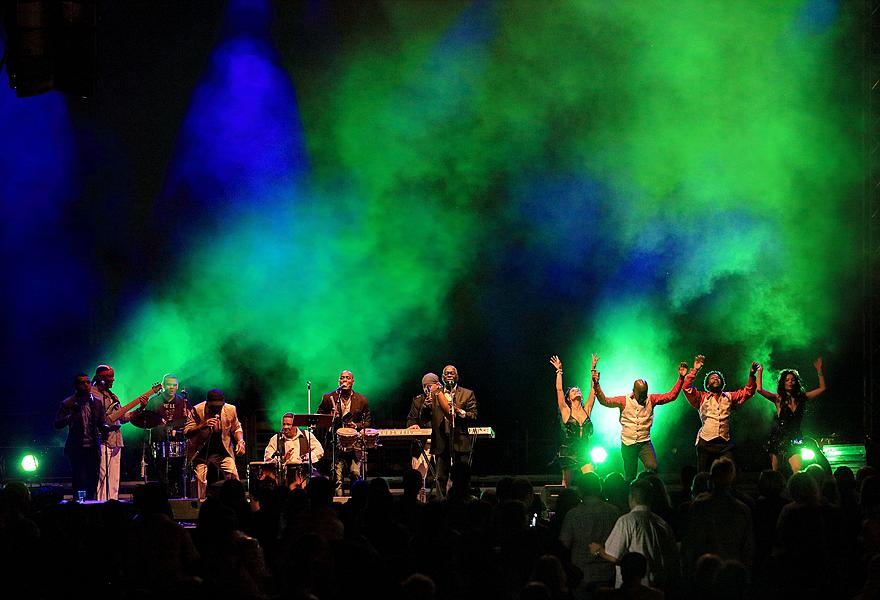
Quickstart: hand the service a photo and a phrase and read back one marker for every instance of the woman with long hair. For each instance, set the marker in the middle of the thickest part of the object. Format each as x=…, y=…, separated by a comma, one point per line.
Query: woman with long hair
x=574, y=452
x=791, y=403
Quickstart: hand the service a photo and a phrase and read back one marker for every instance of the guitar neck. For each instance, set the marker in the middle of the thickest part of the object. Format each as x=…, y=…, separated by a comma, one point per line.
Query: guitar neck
x=124, y=409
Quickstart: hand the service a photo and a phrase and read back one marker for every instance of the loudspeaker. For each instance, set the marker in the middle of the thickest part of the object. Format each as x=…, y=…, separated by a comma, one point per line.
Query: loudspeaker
x=185, y=509
x=550, y=494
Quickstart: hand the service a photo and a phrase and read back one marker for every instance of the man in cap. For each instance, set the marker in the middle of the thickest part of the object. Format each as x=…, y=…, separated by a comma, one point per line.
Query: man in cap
x=210, y=428
x=419, y=417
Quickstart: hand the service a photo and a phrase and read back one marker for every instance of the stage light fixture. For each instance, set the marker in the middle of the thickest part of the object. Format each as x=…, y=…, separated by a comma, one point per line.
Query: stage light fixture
x=599, y=455
x=29, y=463
x=807, y=454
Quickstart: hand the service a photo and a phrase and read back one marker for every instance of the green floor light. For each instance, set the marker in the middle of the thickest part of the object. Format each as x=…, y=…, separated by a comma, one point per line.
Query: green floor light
x=807, y=454
x=29, y=463
x=599, y=455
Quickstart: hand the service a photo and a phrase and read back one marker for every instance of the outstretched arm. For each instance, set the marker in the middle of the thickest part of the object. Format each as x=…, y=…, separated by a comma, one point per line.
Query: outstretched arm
x=739, y=397
x=760, y=380
x=821, y=389
x=672, y=394
x=591, y=397
x=690, y=392
x=564, y=410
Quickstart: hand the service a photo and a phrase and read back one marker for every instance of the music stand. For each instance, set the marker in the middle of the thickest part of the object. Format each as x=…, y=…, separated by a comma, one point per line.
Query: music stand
x=312, y=421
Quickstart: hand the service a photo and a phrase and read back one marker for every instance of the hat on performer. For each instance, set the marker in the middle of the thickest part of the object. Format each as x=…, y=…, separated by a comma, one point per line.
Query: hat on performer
x=215, y=396
x=430, y=378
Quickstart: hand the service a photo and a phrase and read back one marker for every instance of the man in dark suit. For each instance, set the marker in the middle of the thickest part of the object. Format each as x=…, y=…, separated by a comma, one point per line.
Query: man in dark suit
x=82, y=414
x=350, y=410
x=454, y=410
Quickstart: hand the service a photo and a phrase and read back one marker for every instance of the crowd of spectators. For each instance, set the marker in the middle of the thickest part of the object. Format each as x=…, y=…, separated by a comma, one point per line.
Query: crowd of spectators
x=815, y=536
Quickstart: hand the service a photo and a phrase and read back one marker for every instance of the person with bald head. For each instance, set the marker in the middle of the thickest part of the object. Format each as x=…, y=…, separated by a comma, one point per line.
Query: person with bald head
x=454, y=409
x=715, y=407
x=636, y=419
x=349, y=409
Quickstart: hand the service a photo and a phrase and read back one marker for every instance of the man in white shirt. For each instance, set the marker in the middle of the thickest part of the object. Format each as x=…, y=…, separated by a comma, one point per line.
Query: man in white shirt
x=636, y=419
x=715, y=407
x=293, y=445
x=642, y=531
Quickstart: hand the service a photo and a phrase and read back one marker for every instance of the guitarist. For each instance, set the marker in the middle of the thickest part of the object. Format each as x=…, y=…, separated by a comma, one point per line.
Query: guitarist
x=113, y=416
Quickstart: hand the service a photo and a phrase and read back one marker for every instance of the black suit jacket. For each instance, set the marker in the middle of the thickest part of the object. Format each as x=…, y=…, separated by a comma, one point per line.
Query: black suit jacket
x=461, y=442
x=358, y=415
x=72, y=419
x=420, y=415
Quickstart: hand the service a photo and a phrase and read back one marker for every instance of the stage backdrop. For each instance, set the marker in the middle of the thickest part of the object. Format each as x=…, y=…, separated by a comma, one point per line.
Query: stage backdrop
x=263, y=194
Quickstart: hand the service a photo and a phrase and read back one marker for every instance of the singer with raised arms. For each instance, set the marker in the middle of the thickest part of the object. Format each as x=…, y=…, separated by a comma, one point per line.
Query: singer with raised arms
x=351, y=413
x=637, y=417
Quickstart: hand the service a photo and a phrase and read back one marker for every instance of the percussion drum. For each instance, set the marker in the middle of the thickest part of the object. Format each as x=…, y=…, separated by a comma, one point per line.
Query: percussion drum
x=347, y=438
x=166, y=450
x=259, y=470
x=371, y=438
x=298, y=475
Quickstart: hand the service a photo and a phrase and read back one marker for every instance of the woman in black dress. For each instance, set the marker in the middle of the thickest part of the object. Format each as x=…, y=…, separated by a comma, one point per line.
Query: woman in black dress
x=574, y=452
x=791, y=403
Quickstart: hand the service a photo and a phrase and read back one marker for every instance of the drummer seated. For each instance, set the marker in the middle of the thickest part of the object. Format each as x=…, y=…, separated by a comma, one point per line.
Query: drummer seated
x=292, y=445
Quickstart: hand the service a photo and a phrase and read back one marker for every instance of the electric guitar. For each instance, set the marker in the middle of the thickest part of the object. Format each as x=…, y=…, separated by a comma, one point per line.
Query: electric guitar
x=142, y=400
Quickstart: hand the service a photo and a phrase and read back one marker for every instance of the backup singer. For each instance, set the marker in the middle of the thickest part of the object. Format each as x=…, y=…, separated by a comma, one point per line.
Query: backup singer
x=210, y=428
x=451, y=402
x=791, y=403
x=82, y=414
x=419, y=417
x=636, y=419
x=350, y=410
x=715, y=407
x=577, y=428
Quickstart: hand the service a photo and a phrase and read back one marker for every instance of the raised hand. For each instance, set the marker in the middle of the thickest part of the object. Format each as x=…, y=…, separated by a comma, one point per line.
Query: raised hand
x=699, y=359
x=556, y=362
x=755, y=366
x=595, y=361
x=595, y=377
x=818, y=364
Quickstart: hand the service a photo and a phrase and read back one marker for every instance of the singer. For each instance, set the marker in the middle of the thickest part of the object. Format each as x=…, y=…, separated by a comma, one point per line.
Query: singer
x=350, y=410
x=454, y=410
x=209, y=430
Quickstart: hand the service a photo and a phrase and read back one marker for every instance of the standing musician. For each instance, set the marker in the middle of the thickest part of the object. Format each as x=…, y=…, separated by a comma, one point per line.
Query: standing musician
x=293, y=446
x=82, y=414
x=349, y=410
x=420, y=413
x=171, y=404
x=209, y=430
x=113, y=417
x=454, y=409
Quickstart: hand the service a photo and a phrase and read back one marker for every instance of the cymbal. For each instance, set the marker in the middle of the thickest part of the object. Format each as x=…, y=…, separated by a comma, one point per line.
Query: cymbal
x=146, y=419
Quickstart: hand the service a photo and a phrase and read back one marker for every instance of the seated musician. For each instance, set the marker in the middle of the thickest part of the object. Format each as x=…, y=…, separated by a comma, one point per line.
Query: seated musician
x=419, y=417
x=292, y=445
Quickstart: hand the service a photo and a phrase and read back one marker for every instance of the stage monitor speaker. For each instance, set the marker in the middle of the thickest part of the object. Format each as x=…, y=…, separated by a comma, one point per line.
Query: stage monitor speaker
x=185, y=509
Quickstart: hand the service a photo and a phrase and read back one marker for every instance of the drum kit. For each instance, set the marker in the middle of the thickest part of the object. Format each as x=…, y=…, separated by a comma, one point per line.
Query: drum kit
x=169, y=452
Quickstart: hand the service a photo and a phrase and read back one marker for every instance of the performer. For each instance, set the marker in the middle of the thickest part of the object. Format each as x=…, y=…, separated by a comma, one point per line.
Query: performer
x=419, y=417
x=636, y=418
x=209, y=430
x=293, y=445
x=451, y=403
x=574, y=452
x=82, y=414
x=715, y=406
x=173, y=406
x=114, y=416
x=351, y=410
x=791, y=403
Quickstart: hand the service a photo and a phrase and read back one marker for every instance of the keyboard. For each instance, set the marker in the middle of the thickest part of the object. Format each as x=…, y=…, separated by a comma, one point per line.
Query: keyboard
x=424, y=434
